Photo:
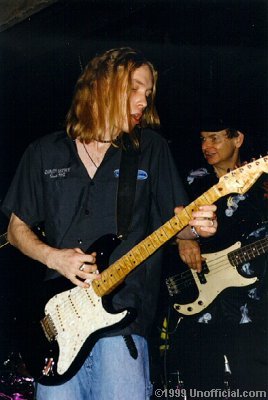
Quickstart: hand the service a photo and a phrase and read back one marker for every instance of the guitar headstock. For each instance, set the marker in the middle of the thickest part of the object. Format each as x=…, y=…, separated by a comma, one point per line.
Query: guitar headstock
x=241, y=179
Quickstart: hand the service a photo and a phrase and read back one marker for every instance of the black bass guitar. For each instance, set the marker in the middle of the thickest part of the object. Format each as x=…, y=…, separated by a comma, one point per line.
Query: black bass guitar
x=219, y=272
x=69, y=320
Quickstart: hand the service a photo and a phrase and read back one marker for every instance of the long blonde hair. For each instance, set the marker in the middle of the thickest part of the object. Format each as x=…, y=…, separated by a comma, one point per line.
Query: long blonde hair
x=102, y=94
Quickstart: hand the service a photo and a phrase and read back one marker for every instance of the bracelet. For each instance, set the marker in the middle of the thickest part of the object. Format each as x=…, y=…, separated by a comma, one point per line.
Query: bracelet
x=193, y=230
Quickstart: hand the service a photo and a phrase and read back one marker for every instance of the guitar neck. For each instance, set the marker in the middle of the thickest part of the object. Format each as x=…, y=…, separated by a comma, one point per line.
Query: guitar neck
x=3, y=240
x=116, y=273
x=248, y=252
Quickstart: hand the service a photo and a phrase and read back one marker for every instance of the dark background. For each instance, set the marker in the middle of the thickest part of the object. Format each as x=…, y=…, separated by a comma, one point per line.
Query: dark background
x=211, y=56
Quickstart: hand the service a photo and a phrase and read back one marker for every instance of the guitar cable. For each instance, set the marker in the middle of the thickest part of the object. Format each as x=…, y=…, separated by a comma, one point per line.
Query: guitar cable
x=167, y=335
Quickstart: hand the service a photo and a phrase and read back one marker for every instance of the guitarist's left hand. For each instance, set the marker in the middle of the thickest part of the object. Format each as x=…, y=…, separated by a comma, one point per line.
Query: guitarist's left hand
x=204, y=222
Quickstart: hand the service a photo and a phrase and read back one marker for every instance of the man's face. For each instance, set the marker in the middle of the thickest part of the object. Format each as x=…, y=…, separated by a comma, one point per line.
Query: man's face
x=217, y=147
x=141, y=89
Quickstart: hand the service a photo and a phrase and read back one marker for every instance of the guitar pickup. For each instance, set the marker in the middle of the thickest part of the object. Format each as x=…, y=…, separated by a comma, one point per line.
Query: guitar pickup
x=201, y=275
x=172, y=286
x=49, y=328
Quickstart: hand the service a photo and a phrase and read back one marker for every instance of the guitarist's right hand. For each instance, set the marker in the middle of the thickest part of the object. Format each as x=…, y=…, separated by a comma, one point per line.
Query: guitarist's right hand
x=74, y=264
x=190, y=253
x=78, y=267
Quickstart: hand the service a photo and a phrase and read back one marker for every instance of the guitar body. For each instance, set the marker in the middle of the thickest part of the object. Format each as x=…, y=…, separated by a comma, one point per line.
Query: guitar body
x=220, y=274
x=77, y=318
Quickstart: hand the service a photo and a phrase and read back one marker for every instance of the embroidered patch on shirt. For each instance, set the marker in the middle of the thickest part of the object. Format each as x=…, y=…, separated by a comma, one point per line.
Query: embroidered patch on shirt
x=245, y=318
x=141, y=175
x=247, y=270
x=257, y=232
x=205, y=318
x=232, y=204
x=57, y=172
x=253, y=294
x=196, y=174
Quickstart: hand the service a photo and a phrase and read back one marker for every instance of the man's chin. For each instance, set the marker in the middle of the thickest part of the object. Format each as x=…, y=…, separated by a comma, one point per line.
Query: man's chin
x=211, y=161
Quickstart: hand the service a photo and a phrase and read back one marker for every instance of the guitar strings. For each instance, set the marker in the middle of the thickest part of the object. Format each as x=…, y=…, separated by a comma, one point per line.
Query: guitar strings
x=182, y=278
x=188, y=275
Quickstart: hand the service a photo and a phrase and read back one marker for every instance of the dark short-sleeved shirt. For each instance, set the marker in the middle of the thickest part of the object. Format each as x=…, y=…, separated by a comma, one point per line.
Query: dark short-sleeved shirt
x=52, y=186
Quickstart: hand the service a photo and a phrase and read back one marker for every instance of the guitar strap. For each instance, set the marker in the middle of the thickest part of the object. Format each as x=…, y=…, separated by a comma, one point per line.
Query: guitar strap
x=127, y=184
x=125, y=201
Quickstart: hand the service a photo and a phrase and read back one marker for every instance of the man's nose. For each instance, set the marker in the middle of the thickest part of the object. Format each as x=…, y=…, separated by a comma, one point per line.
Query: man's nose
x=142, y=103
x=206, y=144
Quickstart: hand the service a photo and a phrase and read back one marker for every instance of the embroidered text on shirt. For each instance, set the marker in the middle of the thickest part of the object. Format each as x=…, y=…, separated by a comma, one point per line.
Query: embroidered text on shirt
x=57, y=172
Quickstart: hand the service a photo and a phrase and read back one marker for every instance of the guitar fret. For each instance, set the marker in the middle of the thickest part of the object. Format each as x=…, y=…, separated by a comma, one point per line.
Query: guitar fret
x=206, y=198
x=118, y=267
x=209, y=197
x=149, y=245
x=162, y=235
x=175, y=225
x=113, y=275
x=128, y=262
x=118, y=273
x=244, y=257
x=248, y=252
x=136, y=256
x=143, y=250
x=158, y=239
x=101, y=288
x=253, y=252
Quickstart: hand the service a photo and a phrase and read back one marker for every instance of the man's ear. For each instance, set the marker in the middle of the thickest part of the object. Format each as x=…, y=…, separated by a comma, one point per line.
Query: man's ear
x=239, y=139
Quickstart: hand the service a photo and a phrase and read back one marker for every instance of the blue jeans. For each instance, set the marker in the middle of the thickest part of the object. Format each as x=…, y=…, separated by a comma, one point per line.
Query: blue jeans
x=109, y=373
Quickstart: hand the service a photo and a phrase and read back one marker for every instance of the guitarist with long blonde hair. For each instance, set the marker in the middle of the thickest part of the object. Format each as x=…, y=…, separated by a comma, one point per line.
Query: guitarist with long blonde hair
x=69, y=180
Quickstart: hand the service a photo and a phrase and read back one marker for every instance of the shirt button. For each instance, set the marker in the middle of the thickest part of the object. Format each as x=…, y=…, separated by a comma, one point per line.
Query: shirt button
x=92, y=183
x=87, y=212
x=80, y=241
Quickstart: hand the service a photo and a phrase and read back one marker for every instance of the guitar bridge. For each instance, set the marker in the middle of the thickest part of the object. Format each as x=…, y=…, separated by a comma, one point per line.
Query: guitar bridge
x=49, y=328
x=172, y=286
x=48, y=367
